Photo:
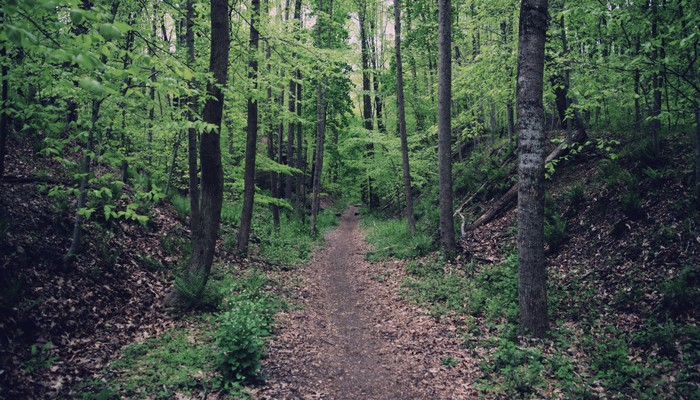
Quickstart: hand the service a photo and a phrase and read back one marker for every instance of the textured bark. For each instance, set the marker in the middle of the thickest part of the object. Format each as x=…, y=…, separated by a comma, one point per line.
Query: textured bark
x=196, y=273
x=374, y=60
x=290, y=139
x=530, y=113
x=371, y=195
x=4, y=125
x=656, y=82
x=447, y=231
x=251, y=135
x=321, y=103
x=697, y=157
x=410, y=217
x=299, y=164
x=192, y=133
x=82, y=196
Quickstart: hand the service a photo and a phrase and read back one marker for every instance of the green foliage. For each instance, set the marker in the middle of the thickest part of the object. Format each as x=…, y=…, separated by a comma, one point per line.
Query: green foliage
x=40, y=357
x=178, y=361
x=554, y=225
x=181, y=204
x=492, y=293
x=243, y=325
x=631, y=204
x=292, y=244
x=682, y=293
x=390, y=238
x=575, y=194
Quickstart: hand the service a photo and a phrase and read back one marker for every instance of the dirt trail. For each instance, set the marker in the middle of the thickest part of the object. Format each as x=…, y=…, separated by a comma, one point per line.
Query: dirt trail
x=356, y=339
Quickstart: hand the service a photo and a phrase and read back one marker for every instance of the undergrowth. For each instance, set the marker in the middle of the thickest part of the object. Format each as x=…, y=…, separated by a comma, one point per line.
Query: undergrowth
x=216, y=352
x=221, y=347
x=390, y=238
x=595, y=361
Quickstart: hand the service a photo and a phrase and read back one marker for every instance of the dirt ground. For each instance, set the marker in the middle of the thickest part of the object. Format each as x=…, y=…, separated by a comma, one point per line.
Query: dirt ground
x=353, y=337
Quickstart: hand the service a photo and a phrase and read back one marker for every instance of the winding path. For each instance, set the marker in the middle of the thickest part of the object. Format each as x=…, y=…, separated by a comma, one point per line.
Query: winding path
x=354, y=338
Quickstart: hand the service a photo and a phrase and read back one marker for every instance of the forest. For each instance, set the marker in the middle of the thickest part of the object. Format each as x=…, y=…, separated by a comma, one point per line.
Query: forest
x=350, y=199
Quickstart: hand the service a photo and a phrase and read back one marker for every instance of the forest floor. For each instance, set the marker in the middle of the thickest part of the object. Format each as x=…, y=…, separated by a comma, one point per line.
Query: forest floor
x=353, y=337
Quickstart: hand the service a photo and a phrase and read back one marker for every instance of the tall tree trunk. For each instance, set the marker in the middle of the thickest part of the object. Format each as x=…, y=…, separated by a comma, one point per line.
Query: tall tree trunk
x=196, y=273
x=511, y=122
x=532, y=282
x=290, y=139
x=321, y=103
x=374, y=59
x=301, y=162
x=410, y=217
x=656, y=81
x=295, y=83
x=4, y=126
x=82, y=196
x=447, y=230
x=191, y=132
x=251, y=135
x=372, y=196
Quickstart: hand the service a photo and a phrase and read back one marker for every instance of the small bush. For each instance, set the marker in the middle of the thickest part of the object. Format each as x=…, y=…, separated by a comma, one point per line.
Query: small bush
x=390, y=238
x=243, y=326
x=181, y=205
x=682, y=294
x=631, y=204
x=575, y=195
x=240, y=340
x=554, y=231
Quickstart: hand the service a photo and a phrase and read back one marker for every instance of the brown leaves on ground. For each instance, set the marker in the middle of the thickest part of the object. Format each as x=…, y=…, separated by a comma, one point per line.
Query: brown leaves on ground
x=353, y=337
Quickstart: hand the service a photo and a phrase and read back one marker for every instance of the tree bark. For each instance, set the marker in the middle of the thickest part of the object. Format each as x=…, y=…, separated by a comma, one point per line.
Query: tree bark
x=372, y=196
x=196, y=273
x=191, y=132
x=321, y=103
x=530, y=113
x=400, y=105
x=447, y=231
x=251, y=135
x=4, y=126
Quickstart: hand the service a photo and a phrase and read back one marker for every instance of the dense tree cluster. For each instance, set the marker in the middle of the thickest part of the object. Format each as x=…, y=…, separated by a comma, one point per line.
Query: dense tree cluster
x=282, y=102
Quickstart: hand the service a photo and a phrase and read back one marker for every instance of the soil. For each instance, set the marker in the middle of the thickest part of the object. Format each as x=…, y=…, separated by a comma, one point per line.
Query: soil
x=354, y=338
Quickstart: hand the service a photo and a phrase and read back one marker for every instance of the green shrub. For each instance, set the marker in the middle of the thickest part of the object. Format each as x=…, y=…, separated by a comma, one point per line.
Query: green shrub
x=682, y=293
x=554, y=231
x=240, y=340
x=575, y=194
x=390, y=238
x=181, y=204
x=244, y=324
x=177, y=361
x=631, y=204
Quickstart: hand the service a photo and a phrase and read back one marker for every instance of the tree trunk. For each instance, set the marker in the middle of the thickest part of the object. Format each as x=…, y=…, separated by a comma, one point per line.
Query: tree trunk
x=4, y=126
x=697, y=156
x=191, y=132
x=372, y=196
x=82, y=196
x=656, y=81
x=321, y=103
x=300, y=164
x=374, y=59
x=447, y=231
x=410, y=217
x=251, y=135
x=196, y=274
x=530, y=113
x=290, y=139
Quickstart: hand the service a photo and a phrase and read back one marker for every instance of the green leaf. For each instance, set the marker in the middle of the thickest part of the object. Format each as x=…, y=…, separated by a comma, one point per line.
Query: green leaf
x=110, y=32
x=92, y=86
x=77, y=16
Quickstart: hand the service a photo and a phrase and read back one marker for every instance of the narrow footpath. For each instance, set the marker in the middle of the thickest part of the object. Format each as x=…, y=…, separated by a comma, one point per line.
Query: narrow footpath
x=353, y=337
